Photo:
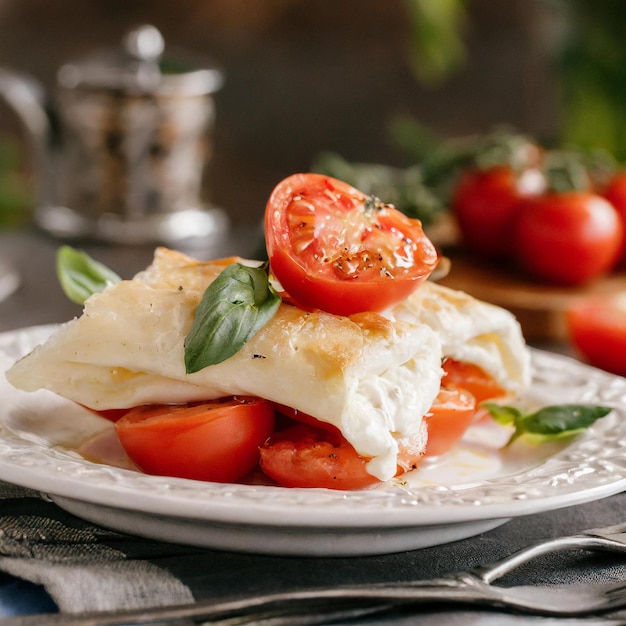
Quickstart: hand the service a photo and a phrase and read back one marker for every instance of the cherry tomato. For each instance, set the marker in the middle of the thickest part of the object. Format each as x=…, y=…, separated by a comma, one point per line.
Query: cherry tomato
x=568, y=238
x=334, y=248
x=615, y=193
x=597, y=329
x=459, y=375
x=305, y=456
x=448, y=419
x=485, y=204
x=215, y=441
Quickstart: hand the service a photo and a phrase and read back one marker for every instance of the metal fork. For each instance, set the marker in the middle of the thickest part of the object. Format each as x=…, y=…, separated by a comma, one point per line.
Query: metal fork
x=323, y=605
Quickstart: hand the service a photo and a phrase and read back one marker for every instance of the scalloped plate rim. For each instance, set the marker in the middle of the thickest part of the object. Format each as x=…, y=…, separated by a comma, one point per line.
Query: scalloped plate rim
x=266, y=506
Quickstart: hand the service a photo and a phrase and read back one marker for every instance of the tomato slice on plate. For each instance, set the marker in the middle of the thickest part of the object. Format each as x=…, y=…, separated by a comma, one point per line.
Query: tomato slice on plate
x=597, y=329
x=450, y=416
x=215, y=441
x=332, y=247
x=305, y=456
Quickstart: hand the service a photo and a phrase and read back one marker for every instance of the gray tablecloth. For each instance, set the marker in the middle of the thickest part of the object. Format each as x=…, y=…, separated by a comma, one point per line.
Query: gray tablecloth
x=85, y=568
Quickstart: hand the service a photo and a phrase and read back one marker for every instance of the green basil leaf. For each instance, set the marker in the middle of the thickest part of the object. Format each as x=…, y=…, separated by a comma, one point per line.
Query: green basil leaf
x=550, y=423
x=557, y=419
x=505, y=415
x=237, y=304
x=80, y=275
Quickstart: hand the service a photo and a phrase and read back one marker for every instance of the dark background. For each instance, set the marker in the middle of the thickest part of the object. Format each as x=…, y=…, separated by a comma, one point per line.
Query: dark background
x=313, y=75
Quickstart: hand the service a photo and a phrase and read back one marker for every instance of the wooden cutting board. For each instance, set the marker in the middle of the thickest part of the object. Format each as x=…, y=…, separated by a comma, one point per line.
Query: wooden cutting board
x=540, y=308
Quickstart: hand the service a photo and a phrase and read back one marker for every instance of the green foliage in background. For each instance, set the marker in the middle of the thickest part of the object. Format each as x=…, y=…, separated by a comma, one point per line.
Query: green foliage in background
x=15, y=201
x=436, y=46
x=589, y=65
x=593, y=76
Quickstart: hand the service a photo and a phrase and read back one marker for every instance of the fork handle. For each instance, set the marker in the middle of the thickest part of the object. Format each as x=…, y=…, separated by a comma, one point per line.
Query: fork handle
x=313, y=606
x=492, y=571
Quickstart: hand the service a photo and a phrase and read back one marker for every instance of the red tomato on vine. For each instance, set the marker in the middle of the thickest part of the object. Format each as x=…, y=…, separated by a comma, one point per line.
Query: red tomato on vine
x=568, y=238
x=486, y=204
x=615, y=193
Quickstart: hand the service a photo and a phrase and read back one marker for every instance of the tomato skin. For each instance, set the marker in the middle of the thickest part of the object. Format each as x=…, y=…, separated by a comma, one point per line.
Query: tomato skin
x=615, y=193
x=568, y=238
x=331, y=248
x=305, y=456
x=215, y=441
x=597, y=329
x=460, y=375
x=448, y=419
x=485, y=204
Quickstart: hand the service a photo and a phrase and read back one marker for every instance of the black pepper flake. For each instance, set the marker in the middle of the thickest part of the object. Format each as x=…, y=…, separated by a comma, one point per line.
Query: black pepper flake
x=259, y=356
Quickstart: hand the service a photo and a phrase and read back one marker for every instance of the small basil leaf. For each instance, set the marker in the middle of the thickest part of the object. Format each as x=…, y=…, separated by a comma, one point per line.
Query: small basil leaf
x=80, y=275
x=550, y=423
x=505, y=415
x=237, y=304
x=557, y=419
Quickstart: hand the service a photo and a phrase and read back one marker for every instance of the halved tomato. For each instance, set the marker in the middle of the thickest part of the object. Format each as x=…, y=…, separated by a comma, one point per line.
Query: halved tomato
x=335, y=248
x=216, y=441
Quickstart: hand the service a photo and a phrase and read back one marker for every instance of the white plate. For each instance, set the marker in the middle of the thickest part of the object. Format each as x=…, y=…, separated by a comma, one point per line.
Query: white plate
x=473, y=489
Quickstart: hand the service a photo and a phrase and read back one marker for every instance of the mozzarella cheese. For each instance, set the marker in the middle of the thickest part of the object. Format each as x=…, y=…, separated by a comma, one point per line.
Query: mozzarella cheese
x=373, y=376
x=470, y=330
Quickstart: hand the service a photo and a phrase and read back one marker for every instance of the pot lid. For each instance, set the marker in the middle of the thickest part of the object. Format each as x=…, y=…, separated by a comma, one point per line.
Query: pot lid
x=142, y=65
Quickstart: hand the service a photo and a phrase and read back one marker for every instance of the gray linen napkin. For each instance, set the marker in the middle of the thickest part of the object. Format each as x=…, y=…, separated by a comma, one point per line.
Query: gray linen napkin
x=85, y=568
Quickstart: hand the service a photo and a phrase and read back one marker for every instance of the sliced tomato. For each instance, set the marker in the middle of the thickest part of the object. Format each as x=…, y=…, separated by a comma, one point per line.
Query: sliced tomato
x=597, y=329
x=472, y=378
x=335, y=248
x=303, y=418
x=215, y=441
x=450, y=416
x=305, y=456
